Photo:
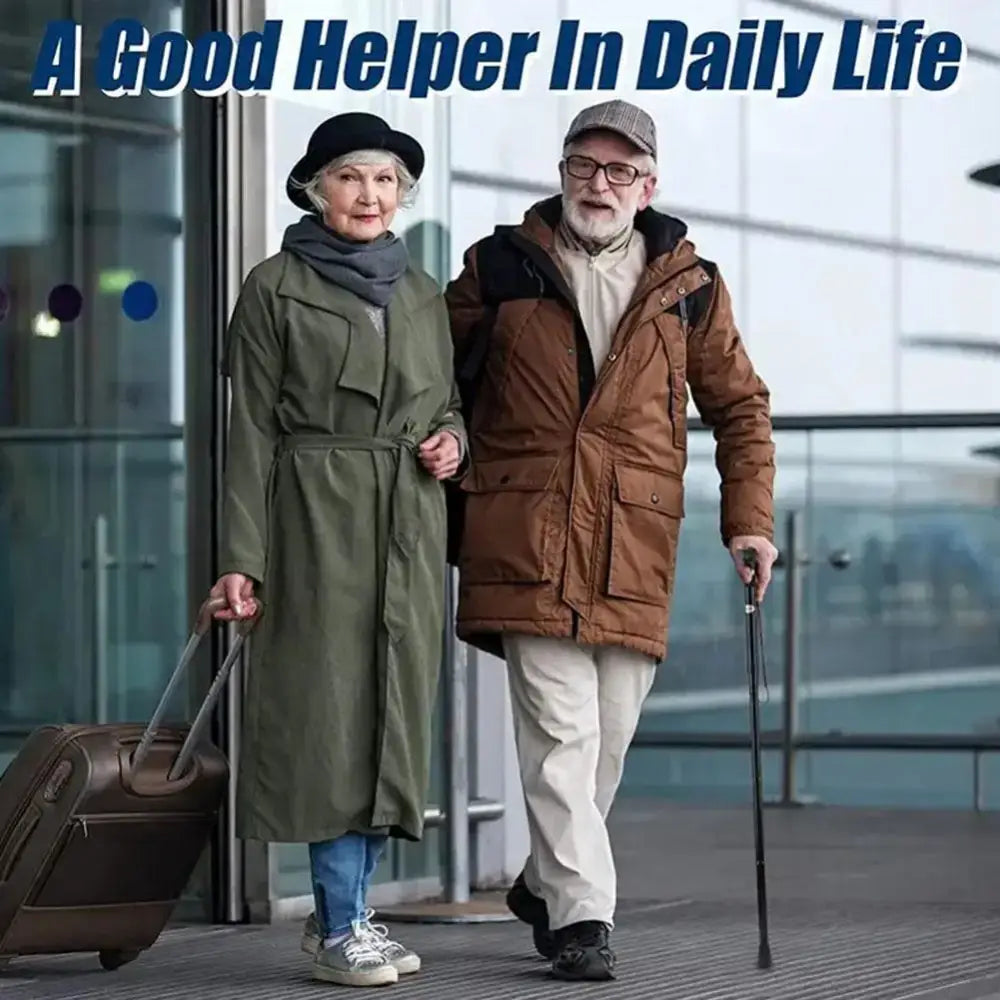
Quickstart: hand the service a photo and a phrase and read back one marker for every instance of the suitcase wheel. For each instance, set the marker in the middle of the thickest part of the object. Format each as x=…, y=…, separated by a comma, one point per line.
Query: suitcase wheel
x=115, y=959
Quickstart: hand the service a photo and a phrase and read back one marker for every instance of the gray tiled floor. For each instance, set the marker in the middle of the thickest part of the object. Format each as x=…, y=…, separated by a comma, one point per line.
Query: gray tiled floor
x=865, y=906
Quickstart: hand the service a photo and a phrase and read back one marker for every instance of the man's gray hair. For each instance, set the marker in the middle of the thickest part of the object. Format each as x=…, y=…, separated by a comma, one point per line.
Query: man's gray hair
x=313, y=187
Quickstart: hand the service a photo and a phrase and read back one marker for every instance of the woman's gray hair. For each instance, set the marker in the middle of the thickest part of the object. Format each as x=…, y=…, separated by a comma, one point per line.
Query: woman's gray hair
x=313, y=187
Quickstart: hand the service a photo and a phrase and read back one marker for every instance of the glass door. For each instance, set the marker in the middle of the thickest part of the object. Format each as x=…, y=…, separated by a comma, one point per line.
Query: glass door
x=93, y=518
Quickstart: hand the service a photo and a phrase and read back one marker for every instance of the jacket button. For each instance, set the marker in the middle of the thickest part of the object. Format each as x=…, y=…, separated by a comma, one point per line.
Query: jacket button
x=655, y=498
x=663, y=301
x=681, y=291
x=612, y=356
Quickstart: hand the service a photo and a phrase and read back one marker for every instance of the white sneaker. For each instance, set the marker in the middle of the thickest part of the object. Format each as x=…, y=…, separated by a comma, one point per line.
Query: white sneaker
x=354, y=961
x=312, y=940
x=403, y=959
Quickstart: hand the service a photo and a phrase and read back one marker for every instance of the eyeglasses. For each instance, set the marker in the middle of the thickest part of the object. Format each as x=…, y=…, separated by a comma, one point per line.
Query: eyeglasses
x=619, y=174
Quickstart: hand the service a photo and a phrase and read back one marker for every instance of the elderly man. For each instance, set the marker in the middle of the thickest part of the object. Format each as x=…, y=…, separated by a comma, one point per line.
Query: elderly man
x=577, y=334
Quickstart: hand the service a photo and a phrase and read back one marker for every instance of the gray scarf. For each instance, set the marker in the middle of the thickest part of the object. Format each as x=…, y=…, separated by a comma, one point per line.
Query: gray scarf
x=369, y=270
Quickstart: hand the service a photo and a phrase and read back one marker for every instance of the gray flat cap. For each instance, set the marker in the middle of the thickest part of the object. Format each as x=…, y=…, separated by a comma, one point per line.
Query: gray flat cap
x=625, y=119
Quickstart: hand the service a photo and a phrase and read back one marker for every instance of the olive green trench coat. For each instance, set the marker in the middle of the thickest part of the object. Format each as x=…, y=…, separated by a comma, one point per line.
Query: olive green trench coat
x=329, y=510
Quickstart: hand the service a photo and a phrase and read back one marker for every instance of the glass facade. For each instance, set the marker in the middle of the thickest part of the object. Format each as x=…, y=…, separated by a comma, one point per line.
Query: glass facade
x=901, y=641
x=93, y=516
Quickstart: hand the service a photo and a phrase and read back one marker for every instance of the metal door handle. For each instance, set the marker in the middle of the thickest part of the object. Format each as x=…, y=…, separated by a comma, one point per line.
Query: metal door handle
x=102, y=562
x=111, y=562
x=100, y=559
x=838, y=559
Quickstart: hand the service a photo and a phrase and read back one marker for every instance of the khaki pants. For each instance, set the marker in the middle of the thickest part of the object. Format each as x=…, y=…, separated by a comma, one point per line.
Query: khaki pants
x=575, y=711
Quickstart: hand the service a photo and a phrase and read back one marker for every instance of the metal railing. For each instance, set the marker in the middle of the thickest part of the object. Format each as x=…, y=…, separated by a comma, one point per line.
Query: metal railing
x=86, y=435
x=956, y=420
x=781, y=422
x=975, y=745
x=477, y=811
x=793, y=560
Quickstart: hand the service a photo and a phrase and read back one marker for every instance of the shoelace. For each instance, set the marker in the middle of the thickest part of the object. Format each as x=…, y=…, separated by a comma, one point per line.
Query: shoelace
x=360, y=949
x=378, y=933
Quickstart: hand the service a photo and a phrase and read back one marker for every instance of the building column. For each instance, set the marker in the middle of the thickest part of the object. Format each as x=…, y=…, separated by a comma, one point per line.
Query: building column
x=248, y=868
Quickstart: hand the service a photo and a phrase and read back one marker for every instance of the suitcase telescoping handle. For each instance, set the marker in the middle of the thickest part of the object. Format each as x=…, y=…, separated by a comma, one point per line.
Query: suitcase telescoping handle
x=201, y=628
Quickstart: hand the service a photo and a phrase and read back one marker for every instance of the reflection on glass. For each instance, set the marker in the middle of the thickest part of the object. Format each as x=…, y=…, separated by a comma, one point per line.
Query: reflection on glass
x=705, y=658
x=93, y=212
x=92, y=518
x=903, y=639
x=93, y=526
x=90, y=627
x=913, y=623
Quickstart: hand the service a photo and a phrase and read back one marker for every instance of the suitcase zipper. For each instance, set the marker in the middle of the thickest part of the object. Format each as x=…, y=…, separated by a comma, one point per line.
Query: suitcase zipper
x=67, y=737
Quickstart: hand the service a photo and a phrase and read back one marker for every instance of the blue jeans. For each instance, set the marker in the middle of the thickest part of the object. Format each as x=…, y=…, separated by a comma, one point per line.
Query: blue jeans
x=341, y=872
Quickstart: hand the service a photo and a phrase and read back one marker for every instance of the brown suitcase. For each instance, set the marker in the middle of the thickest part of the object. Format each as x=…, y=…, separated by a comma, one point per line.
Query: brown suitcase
x=101, y=826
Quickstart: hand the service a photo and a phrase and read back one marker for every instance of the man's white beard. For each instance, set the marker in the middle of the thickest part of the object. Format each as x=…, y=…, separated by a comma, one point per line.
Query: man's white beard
x=596, y=228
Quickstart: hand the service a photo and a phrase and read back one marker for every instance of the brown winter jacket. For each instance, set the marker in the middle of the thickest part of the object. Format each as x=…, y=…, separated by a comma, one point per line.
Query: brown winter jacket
x=574, y=498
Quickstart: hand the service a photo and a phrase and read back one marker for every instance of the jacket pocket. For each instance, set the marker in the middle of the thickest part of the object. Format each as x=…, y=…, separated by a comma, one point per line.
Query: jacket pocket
x=646, y=512
x=507, y=509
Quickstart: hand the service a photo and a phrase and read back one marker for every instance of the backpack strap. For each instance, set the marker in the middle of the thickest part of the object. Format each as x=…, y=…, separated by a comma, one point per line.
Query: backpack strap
x=474, y=356
x=473, y=361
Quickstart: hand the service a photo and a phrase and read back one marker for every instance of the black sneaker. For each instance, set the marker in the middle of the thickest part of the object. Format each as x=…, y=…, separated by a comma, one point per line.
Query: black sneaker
x=583, y=952
x=529, y=909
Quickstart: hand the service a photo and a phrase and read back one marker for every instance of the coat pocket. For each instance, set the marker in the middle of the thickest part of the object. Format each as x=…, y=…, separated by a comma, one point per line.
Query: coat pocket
x=507, y=510
x=646, y=512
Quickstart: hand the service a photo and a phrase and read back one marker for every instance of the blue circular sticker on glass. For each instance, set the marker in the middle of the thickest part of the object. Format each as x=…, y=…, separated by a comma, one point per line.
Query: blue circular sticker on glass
x=139, y=301
x=65, y=303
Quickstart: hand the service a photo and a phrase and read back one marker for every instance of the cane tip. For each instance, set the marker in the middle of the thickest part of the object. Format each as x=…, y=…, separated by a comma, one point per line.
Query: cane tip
x=764, y=957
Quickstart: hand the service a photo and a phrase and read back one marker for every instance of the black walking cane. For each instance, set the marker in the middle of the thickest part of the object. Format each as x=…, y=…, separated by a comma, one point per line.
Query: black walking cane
x=755, y=662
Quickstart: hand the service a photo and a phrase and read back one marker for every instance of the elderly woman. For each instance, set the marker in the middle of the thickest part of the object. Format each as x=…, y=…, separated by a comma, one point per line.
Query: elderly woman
x=343, y=424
